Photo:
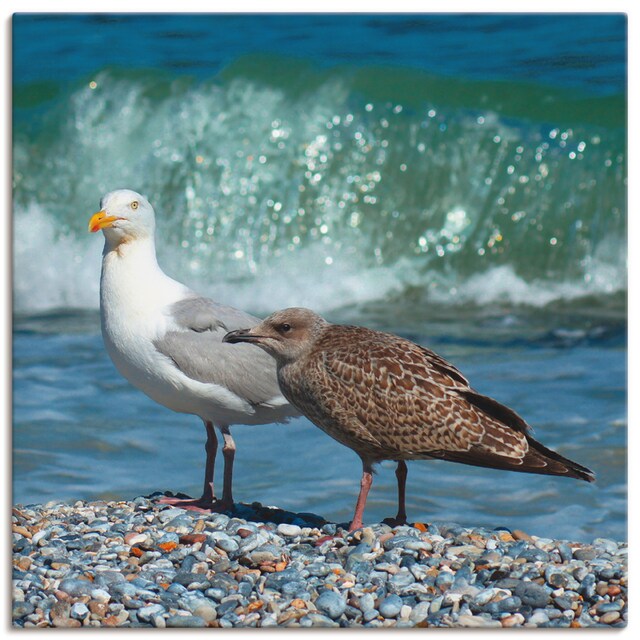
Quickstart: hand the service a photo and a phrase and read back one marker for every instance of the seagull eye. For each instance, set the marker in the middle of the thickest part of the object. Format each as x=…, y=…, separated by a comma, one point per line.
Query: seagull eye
x=285, y=327
x=135, y=204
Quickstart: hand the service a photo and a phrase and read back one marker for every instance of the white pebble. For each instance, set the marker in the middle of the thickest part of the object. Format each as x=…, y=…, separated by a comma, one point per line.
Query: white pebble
x=100, y=595
x=136, y=538
x=538, y=617
x=290, y=530
x=39, y=535
x=159, y=622
x=79, y=611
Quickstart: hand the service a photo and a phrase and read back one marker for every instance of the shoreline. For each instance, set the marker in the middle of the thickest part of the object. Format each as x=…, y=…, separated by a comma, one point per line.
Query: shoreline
x=139, y=564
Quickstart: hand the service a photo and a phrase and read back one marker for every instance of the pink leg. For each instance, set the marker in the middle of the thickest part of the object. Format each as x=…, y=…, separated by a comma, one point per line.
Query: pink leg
x=207, y=501
x=229, y=452
x=365, y=485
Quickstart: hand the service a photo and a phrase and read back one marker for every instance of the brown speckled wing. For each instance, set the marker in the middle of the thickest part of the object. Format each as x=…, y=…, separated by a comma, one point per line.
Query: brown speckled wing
x=386, y=397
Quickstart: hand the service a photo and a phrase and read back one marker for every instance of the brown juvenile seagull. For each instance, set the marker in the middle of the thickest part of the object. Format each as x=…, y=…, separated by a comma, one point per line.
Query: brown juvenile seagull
x=390, y=399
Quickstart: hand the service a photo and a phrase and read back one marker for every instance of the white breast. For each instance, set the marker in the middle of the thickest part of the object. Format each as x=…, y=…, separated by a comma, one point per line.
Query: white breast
x=135, y=295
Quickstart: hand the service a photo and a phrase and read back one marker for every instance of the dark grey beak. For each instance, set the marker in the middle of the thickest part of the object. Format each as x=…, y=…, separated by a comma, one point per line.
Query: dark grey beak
x=240, y=335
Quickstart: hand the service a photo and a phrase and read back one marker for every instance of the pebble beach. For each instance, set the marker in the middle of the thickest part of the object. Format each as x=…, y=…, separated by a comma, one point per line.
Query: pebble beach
x=140, y=564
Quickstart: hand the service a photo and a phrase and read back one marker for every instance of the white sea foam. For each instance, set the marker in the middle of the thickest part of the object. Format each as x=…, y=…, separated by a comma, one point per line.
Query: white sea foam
x=267, y=198
x=502, y=284
x=54, y=270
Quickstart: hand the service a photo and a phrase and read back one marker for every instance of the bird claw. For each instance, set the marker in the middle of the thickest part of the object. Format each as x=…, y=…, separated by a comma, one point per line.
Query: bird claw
x=395, y=522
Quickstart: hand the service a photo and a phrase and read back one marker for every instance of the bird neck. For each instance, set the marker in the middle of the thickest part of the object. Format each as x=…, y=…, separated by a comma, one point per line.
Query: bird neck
x=133, y=282
x=138, y=249
x=132, y=262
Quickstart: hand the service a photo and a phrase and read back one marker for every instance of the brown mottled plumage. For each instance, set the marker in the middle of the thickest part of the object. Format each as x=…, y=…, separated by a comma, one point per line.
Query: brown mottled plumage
x=390, y=399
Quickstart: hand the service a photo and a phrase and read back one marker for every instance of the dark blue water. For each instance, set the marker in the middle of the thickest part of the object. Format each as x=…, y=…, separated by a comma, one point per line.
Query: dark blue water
x=580, y=51
x=458, y=179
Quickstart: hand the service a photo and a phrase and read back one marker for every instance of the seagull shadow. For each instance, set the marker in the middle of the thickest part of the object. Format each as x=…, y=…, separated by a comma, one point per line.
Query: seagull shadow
x=254, y=512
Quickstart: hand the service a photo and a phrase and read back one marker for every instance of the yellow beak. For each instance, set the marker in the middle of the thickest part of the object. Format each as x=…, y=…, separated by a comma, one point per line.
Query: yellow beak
x=101, y=220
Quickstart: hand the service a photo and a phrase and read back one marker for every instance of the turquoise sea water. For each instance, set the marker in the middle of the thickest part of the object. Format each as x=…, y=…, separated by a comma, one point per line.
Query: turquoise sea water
x=457, y=179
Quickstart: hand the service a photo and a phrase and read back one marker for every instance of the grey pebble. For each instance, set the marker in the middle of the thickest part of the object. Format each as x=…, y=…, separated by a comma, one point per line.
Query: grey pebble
x=605, y=607
x=534, y=554
x=225, y=542
x=420, y=612
x=588, y=586
x=446, y=576
x=79, y=611
x=76, y=587
x=226, y=606
x=178, y=621
x=147, y=613
x=204, y=609
x=262, y=555
x=294, y=589
x=509, y=604
x=331, y=603
x=216, y=593
x=276, y=580
x=320, y=620
x=390, y=606
x=565, y=552
x=366, y=602
x=533, y=594
x=22, y=609
x=584, y=553
x=370, y=614
x=538, y=618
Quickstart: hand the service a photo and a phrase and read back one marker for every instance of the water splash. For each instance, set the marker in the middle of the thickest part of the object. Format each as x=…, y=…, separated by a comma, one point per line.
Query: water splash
x=319, y=194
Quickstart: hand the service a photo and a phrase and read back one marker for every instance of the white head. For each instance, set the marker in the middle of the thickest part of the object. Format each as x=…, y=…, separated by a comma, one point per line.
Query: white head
x=124, y=216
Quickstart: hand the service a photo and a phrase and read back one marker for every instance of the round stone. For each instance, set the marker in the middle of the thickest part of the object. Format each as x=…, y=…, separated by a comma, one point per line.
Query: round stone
x=538, y=617
x=390, y=606
x=76, y=587
x=331, y=603
x=289, y=530
x=185, y=621
x=420, y=612
x=366, y=602
x=146, y=614
x=533, y=594
x=205, y=610
x=609, y=617
x=21, y=609
x=227, y=544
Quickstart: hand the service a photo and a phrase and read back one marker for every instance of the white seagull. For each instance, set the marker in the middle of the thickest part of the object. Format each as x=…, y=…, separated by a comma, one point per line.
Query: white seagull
x=166, y=340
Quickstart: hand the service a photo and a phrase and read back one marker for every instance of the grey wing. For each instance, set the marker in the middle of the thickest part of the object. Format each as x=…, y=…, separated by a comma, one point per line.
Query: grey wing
x=202, y=314
x=196, y=348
